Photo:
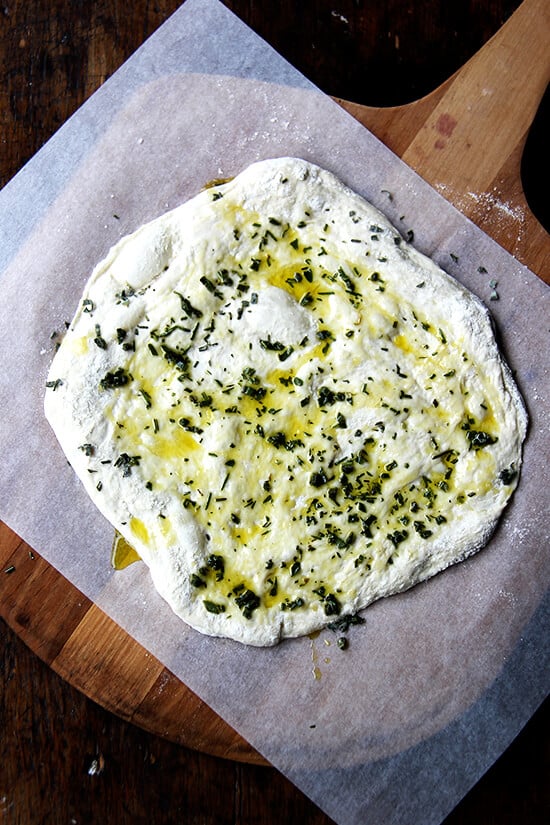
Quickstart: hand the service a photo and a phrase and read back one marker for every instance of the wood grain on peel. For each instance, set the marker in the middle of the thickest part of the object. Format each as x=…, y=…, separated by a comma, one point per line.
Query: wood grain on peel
x=171, y=710
x=37, y=601
x=64, y=759
x=88, y=649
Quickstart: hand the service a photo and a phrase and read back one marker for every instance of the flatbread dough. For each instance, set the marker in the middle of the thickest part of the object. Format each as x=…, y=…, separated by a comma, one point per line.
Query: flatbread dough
x=284, y=407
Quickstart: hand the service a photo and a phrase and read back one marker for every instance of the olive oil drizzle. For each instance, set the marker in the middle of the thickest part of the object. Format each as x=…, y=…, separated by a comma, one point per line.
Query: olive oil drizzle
x=356, y=500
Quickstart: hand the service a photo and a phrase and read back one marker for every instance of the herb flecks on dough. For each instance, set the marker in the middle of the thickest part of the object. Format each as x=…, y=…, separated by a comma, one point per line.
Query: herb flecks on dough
x=289, y=395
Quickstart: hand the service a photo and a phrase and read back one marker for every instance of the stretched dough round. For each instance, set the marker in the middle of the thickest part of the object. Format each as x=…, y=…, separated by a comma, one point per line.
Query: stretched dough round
x=284, y=407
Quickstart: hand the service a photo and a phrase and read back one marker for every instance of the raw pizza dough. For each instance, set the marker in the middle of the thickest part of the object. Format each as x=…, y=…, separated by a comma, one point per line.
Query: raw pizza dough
x=285, y=408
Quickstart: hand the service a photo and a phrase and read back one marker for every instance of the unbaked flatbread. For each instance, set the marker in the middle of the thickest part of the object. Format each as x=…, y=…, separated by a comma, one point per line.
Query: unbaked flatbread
x=285, y=408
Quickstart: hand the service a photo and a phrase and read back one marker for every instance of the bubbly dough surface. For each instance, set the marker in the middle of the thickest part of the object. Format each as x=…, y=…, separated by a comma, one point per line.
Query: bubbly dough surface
x=285, y=408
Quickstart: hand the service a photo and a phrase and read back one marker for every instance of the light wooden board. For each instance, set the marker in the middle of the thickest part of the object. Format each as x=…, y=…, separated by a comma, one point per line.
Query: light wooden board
x=466, y=139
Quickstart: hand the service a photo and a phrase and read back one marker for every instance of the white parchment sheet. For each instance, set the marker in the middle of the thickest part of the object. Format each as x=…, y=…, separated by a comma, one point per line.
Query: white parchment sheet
x=437, y=682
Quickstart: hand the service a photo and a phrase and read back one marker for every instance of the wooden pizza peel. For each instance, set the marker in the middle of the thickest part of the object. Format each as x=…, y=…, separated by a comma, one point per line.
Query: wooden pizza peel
x=466, y=139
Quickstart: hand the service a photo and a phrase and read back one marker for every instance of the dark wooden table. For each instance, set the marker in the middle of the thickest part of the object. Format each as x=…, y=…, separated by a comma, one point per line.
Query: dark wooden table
x=63, y=759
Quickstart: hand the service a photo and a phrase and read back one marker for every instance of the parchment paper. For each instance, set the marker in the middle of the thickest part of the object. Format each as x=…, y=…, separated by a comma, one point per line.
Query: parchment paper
x=438, y=680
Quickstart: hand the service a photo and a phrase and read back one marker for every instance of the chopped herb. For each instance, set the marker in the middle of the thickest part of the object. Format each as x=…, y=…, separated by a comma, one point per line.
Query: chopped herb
x=341, y=421
x=343, y=623
x=124, y=295
x=318, y=479
x=296, y=568
x=248, y=602
x=257, y=393
x=188, y=307
x=286, y=353
x=186, y=424
x=146, y=397
x=115, y=378
x=274, y=346
x=331, y=605
x=207, y=283
x=213, y=607
x=126, y=462
x=286, y=605
x=507, y=475
x=422, y=530
x=397, y=537
x=87, y=449
x=479, y=439
x=327, y=397
x=216, y=563
x=178, y=359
